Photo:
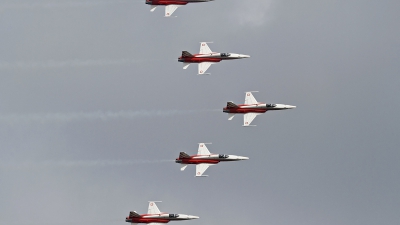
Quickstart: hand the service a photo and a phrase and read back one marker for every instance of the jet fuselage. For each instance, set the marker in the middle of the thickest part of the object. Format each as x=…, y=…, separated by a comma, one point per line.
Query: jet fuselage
x=209, y=159
x=173, y=2
x=256, y=108
x=159, y=218
x=212, y=57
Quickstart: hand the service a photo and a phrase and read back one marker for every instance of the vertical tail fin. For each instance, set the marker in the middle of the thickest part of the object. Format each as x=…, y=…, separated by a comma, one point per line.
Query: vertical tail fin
x=186, y=54
x=231, y=105
x=133, y=214
x=184, y=155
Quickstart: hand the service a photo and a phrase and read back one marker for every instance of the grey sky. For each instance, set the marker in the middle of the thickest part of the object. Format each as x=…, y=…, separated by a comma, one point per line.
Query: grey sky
x=69, y=68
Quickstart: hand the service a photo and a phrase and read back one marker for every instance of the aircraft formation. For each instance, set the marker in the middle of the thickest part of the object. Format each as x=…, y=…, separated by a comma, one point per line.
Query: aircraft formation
x=204, y=158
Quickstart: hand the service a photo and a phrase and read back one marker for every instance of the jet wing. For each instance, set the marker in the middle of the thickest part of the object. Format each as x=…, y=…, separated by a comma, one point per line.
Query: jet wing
x=201, y=168
x=203, y=150
x=153, y=209
x=249, y=99
x=203, y=67
x=248, y=118
x=204, y=49
x=169, y=9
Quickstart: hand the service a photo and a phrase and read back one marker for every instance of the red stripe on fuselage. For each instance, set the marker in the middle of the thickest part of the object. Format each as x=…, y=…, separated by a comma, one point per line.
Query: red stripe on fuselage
x=244, y=110
x=199, y=161
x=199, y=59
x=148, y=220
x=166, y=2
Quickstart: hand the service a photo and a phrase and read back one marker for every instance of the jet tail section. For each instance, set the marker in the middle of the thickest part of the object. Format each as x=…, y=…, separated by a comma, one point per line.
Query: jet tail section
x=231, y=105
x=186, y=54
x=184, y=155
x=133, y=214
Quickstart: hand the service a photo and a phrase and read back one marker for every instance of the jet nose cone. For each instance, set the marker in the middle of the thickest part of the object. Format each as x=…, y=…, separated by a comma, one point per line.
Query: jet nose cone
x=244, y=56
x=193, y=217
x=290, y=106
x=244, y=158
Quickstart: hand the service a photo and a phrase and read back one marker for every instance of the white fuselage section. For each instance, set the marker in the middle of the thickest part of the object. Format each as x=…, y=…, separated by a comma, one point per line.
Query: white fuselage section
x=267, y=106
x=221, y=157
x=223, y=55
x=171, y=216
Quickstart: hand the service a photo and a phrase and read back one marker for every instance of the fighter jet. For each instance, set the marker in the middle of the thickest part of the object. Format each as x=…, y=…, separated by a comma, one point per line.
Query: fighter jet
x=251, y=108
x=204, y=159
x=206, y=58
x=155, y=217
x=171, y=5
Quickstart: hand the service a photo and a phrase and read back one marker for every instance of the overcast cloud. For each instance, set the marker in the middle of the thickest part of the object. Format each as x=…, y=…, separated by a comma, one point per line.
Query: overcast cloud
x=94, y=108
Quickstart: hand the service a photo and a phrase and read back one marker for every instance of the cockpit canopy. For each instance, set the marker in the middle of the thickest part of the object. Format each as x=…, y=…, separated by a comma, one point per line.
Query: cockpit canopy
x=225, y=54
x=223, y=156
x=271, y=105
x=173, y=215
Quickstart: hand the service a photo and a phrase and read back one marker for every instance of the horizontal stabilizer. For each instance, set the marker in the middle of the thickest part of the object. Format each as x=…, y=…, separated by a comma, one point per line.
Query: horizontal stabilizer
x=184, y=155
x=133, y=214
x=186, y=54
x=152, y=8
x=186, y=65
x=183, y=167
x=231, y=105
x=231, y=115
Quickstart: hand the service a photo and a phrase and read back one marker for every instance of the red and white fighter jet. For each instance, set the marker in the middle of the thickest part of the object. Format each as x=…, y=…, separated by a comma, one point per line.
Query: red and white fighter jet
x=252, y=108
x=206, y=58
x=155, y=217
x=204, y=159
x=171, y=5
